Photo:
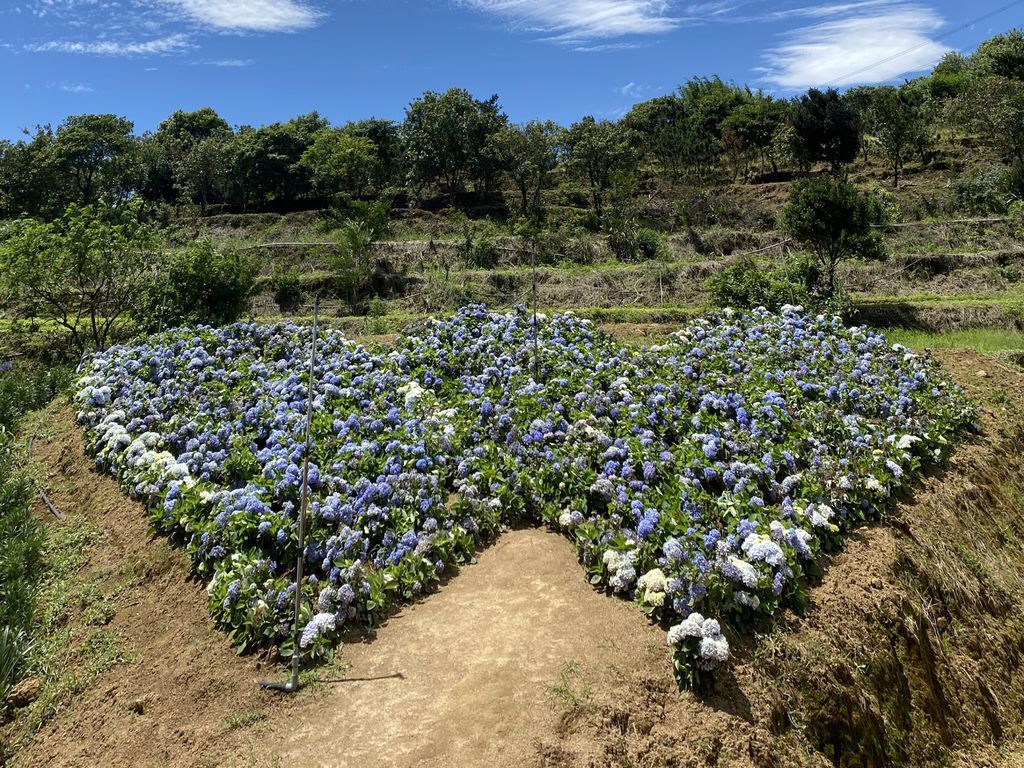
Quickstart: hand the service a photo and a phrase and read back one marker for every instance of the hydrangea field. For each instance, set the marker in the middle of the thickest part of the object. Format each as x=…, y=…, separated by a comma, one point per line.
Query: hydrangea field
x=702, y=478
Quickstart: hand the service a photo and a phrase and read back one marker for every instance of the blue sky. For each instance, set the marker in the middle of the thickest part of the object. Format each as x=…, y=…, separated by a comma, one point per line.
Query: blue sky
x=257, y=61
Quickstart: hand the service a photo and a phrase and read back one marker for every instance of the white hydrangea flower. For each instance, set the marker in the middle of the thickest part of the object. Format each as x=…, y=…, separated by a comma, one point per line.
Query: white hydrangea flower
x=654, y=580
x=746, y=572
x=412, y=391
x=653, y=583
x=620, y=568
x=906, y=442
x=821, y=515
x=710, y=628
x=691, y=626
x=714, y=650
x=742, y=597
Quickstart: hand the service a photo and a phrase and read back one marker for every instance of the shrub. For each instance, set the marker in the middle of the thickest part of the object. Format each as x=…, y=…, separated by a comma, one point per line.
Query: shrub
x=1016, y=214
x=889, y=206
x=631, y=242
x=484, y=254
x=200, y=284
x=352, y=263
x=287, y=290
x=748, y=285
x=376, y=317
x=986, y=191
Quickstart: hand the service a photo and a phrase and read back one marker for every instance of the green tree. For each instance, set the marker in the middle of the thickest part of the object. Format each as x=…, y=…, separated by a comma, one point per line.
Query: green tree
x=836, y=222
x=756, y=122
x=186, y=129
x=661, y=132
x=598, y=151
x=30, y=184
x=995, y=109
x=683, y=131
x=899, y=119
x=337, y=161
x=265, y=162
x=202, y=173
x=826, y=128
x=445, y=136
x=950, y=78
x=167, y=153
x=528, y=155
x=1000, y=56
x=386, y=135
x=708, y=102
x=88, y=149
x=247, y=177
x=862, y=99
x=83, y=271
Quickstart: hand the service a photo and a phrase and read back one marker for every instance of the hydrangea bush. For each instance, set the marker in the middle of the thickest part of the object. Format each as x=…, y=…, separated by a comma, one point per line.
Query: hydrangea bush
x=702, y=478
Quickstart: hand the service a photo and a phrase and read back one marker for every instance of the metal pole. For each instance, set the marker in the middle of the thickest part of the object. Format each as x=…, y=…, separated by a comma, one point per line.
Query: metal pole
x=536, y=330
x=163, y=299
x=293, y=685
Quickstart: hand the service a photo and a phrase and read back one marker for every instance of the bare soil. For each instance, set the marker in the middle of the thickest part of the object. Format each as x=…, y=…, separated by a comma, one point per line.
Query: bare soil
x=908, y=652
x=465, y=677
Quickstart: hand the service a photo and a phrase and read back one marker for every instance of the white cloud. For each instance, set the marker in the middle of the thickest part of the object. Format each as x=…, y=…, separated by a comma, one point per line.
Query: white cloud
x=249, y=15
x=871, y=47
x=572, y=20
x=636, y=90
x=169, y=44
x=153, y=27
x=607, y=47
x=76, y=88
x=230, y=62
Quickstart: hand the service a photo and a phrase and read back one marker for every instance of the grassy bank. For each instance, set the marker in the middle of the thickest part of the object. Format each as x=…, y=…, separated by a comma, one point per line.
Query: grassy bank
x=22, y=536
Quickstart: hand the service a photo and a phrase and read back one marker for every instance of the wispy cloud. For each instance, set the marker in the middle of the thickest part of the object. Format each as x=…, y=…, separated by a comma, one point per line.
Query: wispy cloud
x=637, y=90
x=70, y=87
x=577, y=20
x=160, y=45
x=250, y=15
x=607, y=47
x=154, y=27
x=875, y=46
x=229, y=62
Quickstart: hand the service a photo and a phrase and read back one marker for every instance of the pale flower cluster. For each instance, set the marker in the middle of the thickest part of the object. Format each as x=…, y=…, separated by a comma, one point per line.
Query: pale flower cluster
x=621, y=570
x=703, y=637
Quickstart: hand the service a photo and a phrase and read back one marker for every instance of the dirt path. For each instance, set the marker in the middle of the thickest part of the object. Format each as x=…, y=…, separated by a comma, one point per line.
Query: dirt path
x=463, y=677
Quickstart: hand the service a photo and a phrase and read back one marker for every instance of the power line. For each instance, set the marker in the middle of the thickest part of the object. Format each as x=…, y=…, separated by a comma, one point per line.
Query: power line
x=926, y=43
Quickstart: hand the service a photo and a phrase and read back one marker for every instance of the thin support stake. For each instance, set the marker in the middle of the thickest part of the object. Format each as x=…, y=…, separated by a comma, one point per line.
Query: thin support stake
x=163, y=298
x=293, y=685
x=536, y=331
x=39, y=486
